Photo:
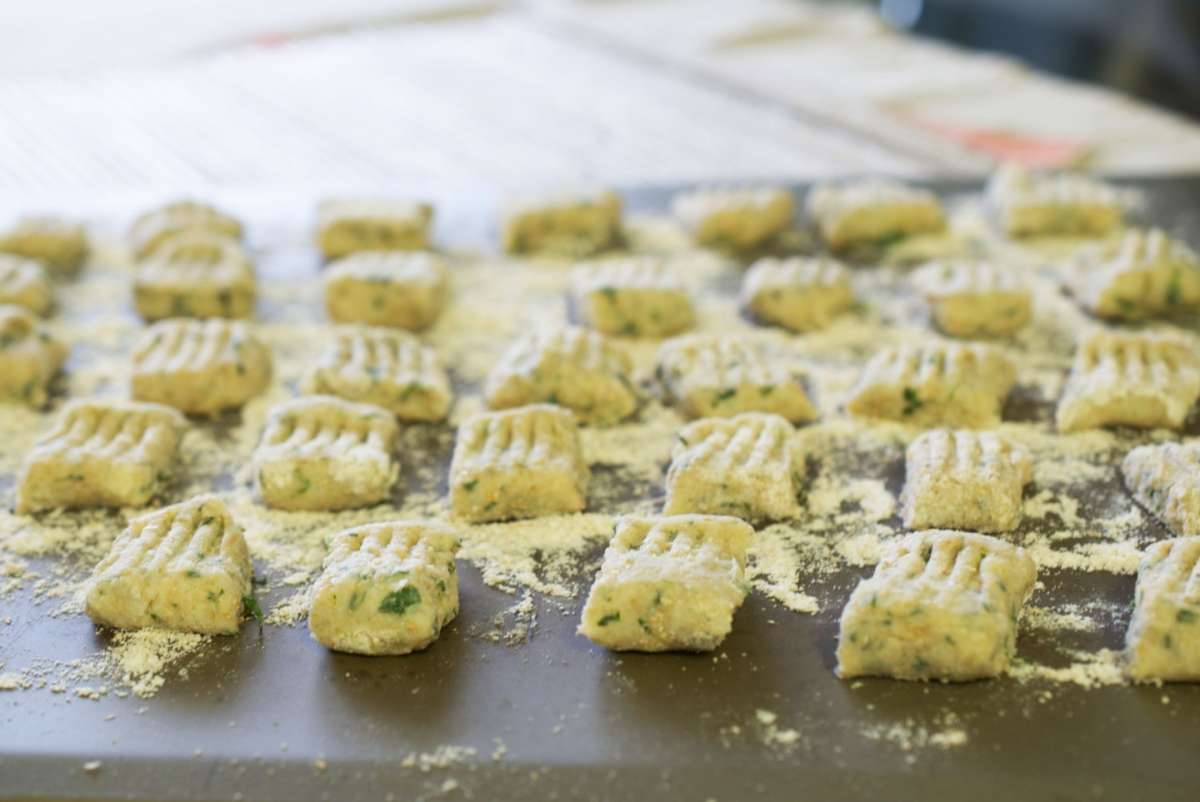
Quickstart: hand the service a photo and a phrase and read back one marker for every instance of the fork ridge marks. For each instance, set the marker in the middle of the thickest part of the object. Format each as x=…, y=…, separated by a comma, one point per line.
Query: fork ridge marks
x=1165, y=479
x=868, y=212
x=519, y=463
x=102, y=454
x=735, y=218
x=974, y=298
x=352, y=225
x=964, y=479
x=1163, y=640
x=161, y=224
x=201, y=367
x=400, y=289
x=184, y=567
x=1128, y=378
x=61, y=246
x=30, y=357
x=195, y=274
x=575, y=224
x=570, y=366
x=723, y=375
x=800, y=294
x=1146, y=273
x=24, y=283
x=745, y=466
x=637, y=296
x=325, y=453
x=1029, y=204
x=935, y=384
x=385, y=367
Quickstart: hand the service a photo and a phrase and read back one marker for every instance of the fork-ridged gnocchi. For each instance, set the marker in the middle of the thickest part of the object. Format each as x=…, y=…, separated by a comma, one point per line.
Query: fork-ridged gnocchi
x=635, y=297
x=799, y=294
x=351, y=225
x=30, y=357
x=736, y=219
x=24, y=283
x=405, y=290
x=975, y=299
x=1163, y=641
x=1144, y=274
x=61, y=246
x=1029, y=204
x=195, y=274
x=161, y=224
x=1165, y=478
x=562, y=224
x=872, y=213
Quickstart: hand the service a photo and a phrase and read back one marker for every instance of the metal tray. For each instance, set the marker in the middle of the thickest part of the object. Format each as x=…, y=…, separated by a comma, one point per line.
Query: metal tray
x=271, y=715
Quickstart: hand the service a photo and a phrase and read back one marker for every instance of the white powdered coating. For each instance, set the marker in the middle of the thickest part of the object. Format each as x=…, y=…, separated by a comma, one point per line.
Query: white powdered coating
x=1089, y=669
x=140, y=658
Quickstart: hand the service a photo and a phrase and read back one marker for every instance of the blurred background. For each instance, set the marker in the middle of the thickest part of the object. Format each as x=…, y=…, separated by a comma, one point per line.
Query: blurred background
x=137, y=96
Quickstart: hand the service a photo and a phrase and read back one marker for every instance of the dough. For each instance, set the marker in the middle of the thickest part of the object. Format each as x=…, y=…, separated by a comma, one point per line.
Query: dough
x=935, y=384
x=323, y=453
x=1143, y=274
x=386, y=588
x=635, y=297
x=1132, y=379
x=668, y=583
x=800, y=294
x=159, y=225
x=195, y=274
x=201, y=367
x=384, y=367
x=1038, y=205
x=23, y=282
x=872, y=212
x=1163, y=642
x=736, y=219
x=964, y=480
x=59, y=245
x=351, y=225
x=712, y=376
x=572, y=224
x=1165, y=479
x=30, y=357
x=519, y=463
x=975, y=299
x=404, y=290
x=569, y=366
x=184, y=567
x=102, y=454
x=940, y=605
x=746, y=466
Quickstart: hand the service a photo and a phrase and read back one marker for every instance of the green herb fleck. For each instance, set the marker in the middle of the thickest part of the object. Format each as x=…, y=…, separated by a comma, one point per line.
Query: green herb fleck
x=1185, y=617
x=251, y=608
x=608, y=619
x=724, y=395
x=766, y=390
x=471, y=485
x=1174, y=290
x=398, y=601
x=191, y=573
x=302, y=480
x=912, y=401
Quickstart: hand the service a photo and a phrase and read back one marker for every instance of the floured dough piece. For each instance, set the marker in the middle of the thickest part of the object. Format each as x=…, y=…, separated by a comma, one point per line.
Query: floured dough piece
x=384, y=367
x=161, y=224
x=1165, y=479
x=1143, y=274
x=201, y=367
x=873, y=212
x=735, y=219
x=381, y=288
x=386, y=588
x=975, y=299
x=797, y=293
x=568, y=224
x=636, y=297
x=711, y=376
x=61, y=246
x=746, y=466
x=102, y=454
x=351, y=225
x=1163, y=641
x=964, y=480
x=184, y=567
x=569, y=366
x=24, y=283
x=668, y=583
x=519, y=463
x=324, y=453
x=1129, y=379
x=935, y=384
x=30, y=357
x=1030, y=204
x=940, y=606
x=195, y=274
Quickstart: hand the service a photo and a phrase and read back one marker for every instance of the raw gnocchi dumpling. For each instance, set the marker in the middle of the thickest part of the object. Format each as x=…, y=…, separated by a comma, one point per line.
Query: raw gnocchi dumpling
x=1029, y=204
x=1163, y=641
x=562, y=224
x=747, y=466
x=570, y=366
x=1143, y=274
x=1165, y=479
x=201, y=367
x=184, y=567
x=195, y=274
x=30, y=357
x=736, y=219
x=386, y=588
x=963, y=479
x=941, y=605
x=102, y=454
x=668, y=583
x=935, y=384
x=324, y=453
x=872, y=213
x=519, y=463
x=61, y=246
x=635, y=297
x=1129, y=379
x=351, y=225
x=162, y=224
x=380, y=288
x=384, y=367
x=711, y=376
x=800, y=294
x=24, y=283
x=975, y=299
